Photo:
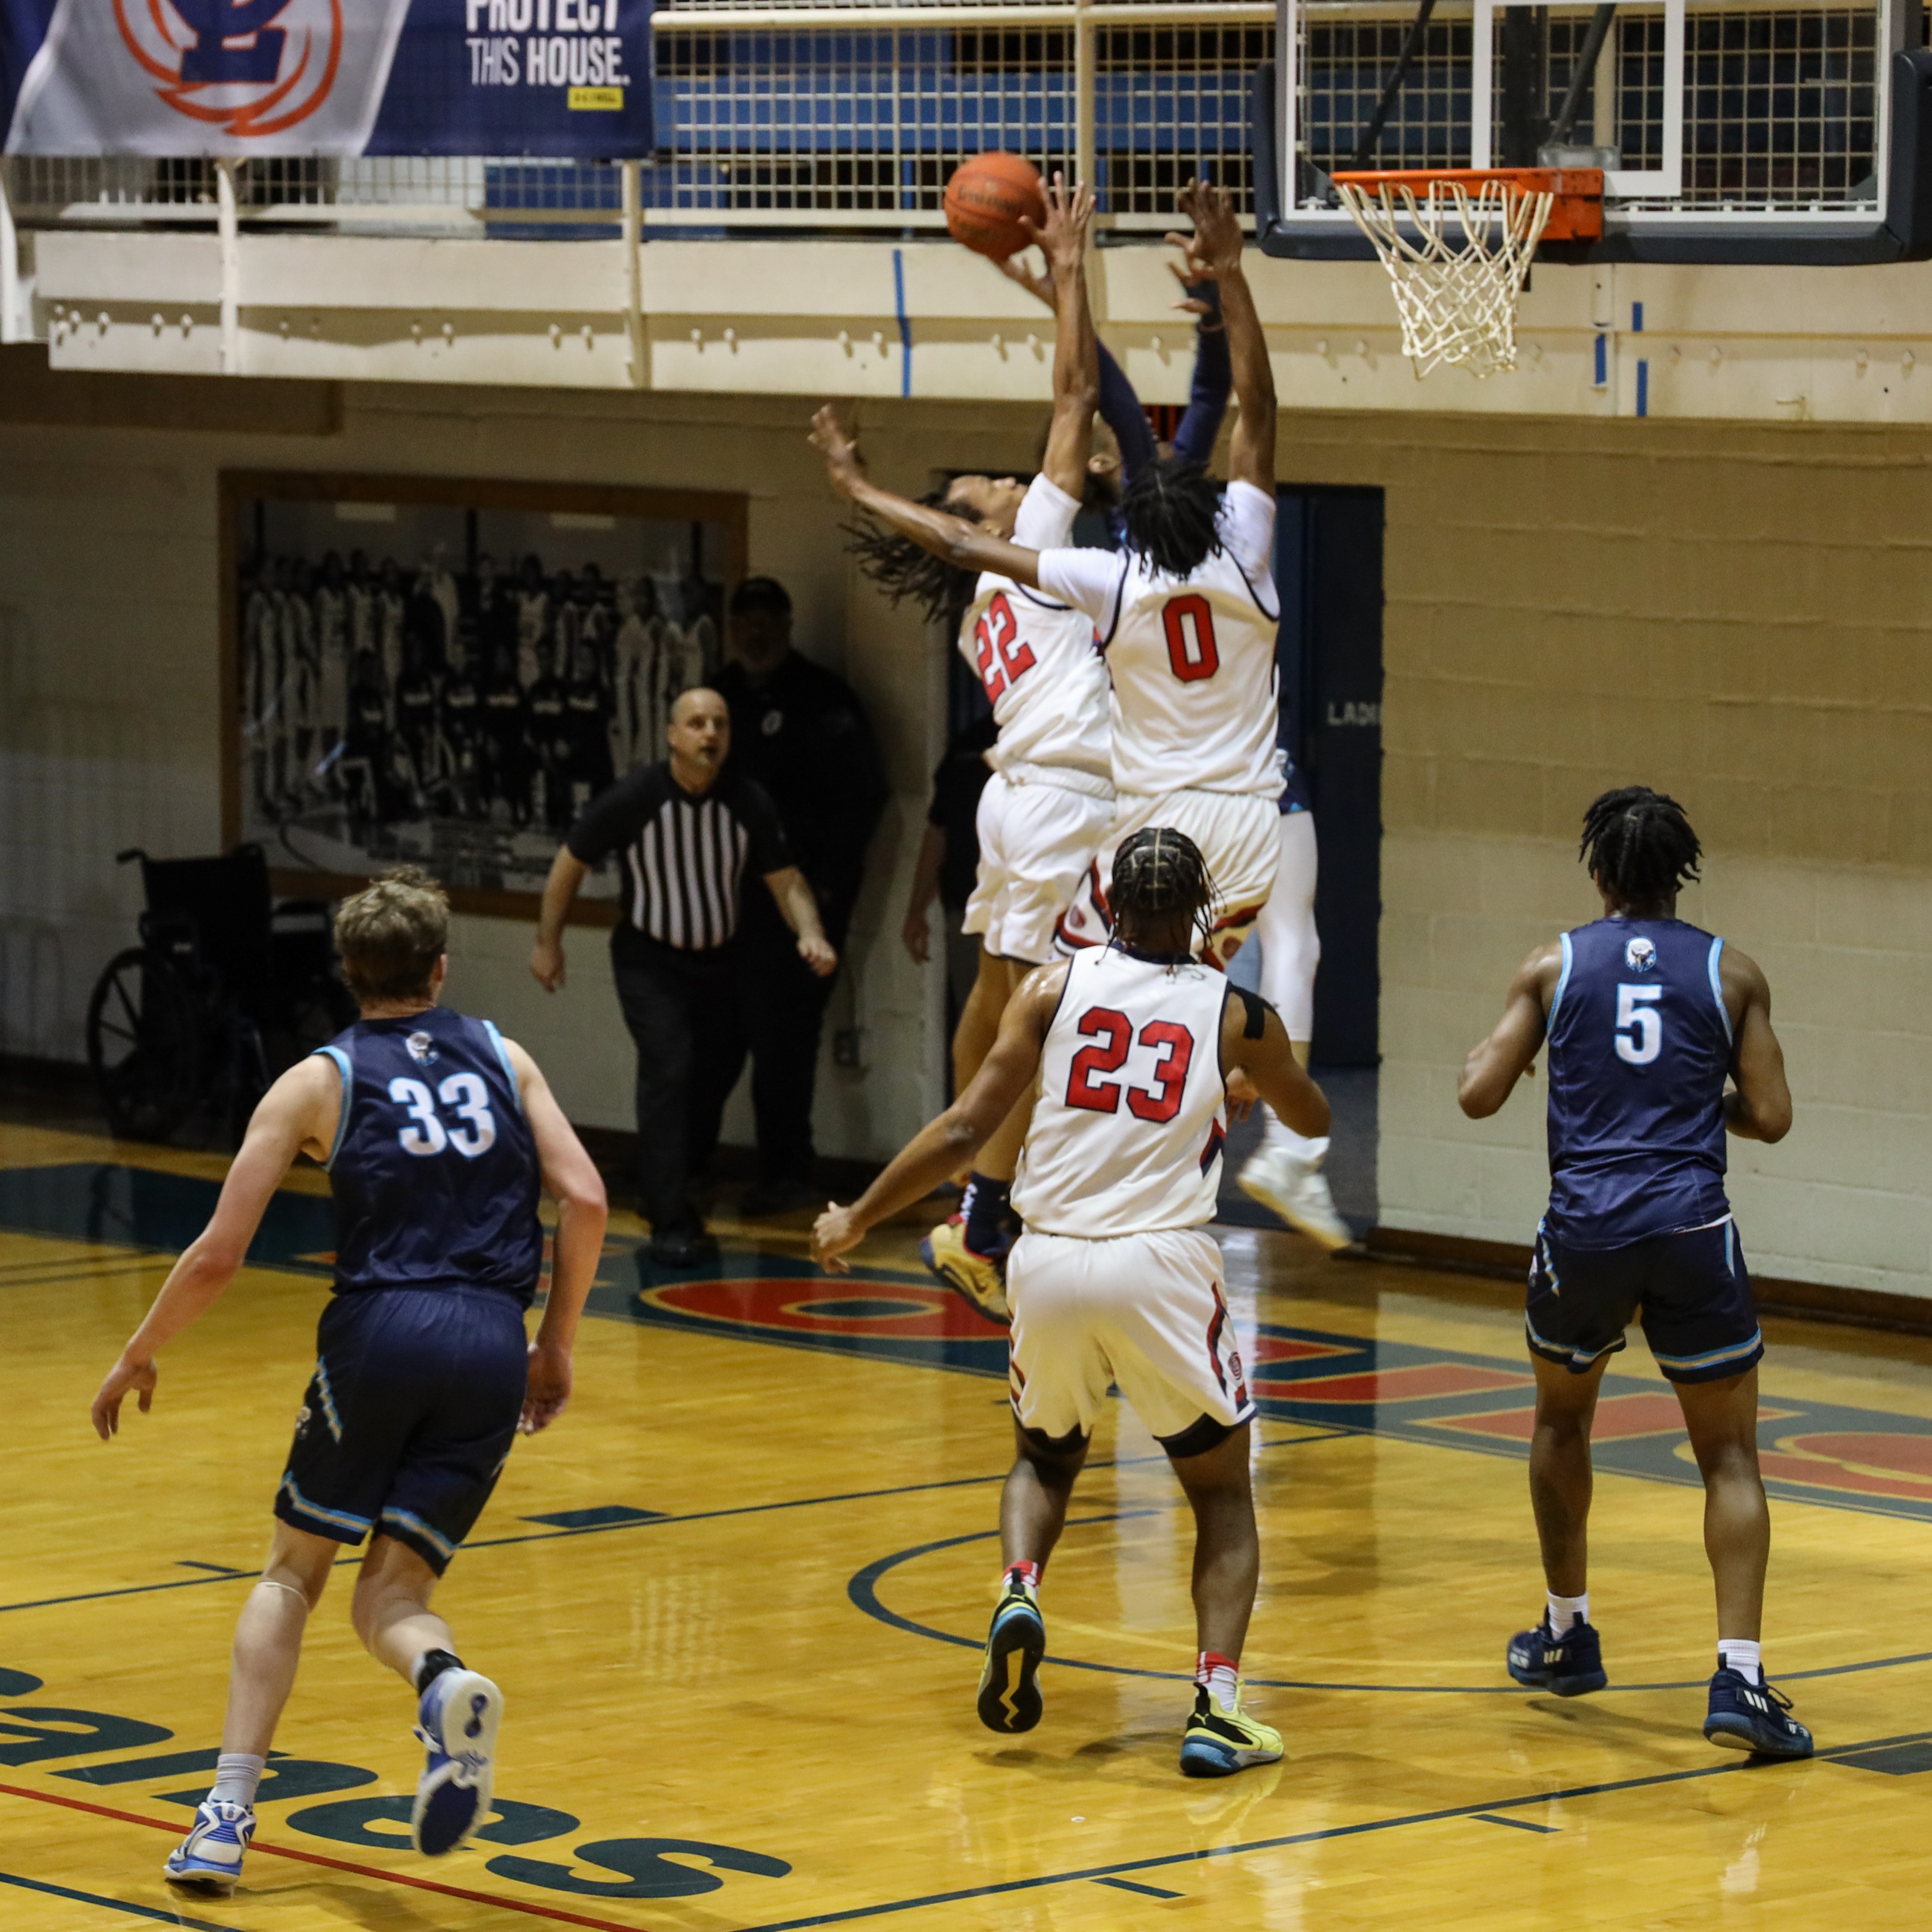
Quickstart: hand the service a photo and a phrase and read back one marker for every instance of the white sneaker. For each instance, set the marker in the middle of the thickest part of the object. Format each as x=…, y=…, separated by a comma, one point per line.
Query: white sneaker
x=1296, y=1189
x=209, y=1858
x=458, y=1716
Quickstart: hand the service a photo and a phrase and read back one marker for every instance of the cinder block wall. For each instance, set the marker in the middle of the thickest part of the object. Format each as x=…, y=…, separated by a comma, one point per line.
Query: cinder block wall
x=1741, y=617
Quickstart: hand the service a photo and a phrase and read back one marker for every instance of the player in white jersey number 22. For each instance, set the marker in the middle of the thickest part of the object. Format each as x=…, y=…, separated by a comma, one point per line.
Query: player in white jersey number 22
x=1116, y=1280
x=1051, y=800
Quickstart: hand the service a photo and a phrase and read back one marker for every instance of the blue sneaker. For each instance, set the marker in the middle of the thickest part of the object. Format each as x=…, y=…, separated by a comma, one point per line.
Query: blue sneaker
x=1749, y=1717
x=1569, y=1665
x=209, y=1858
x=459, y=1714
x=1010, y=1699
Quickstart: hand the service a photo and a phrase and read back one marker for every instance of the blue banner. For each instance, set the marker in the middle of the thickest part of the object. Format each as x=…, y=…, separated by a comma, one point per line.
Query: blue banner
x=341, y=77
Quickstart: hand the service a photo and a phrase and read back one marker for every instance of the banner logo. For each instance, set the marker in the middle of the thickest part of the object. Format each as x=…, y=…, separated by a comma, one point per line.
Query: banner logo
x=249, y=67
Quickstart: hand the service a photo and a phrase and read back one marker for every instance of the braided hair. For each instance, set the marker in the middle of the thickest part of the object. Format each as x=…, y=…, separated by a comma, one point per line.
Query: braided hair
x=1170, y=509
x=901, y=569
x=1639, y=844
x=1158, y=873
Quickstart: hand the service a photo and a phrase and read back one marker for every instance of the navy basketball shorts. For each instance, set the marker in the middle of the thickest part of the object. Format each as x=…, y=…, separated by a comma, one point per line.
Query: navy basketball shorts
x=1689, y=1290
x=409, y=1418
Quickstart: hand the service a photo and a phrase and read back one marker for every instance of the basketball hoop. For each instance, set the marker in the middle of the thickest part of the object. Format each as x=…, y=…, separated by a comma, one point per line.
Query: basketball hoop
x=1458, y=243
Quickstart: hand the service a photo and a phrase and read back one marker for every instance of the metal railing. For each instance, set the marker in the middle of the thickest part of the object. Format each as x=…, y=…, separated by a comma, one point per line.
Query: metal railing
x=796, y=116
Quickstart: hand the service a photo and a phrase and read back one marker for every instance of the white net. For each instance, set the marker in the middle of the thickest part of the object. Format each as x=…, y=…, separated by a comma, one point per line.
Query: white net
x=1457, y=255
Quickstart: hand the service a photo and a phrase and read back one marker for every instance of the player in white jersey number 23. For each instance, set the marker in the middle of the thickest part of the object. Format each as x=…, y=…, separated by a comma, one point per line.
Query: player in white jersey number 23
x=1116, y=1281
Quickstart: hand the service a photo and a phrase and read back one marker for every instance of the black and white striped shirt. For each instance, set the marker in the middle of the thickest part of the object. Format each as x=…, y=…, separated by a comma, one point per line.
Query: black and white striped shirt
x=685, y=854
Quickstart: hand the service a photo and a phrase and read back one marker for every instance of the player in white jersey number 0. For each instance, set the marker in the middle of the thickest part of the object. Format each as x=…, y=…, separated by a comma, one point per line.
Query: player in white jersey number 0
x=1116, y=1281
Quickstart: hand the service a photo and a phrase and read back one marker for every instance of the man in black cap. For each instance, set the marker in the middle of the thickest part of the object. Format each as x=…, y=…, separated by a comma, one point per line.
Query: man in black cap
x=797, y=730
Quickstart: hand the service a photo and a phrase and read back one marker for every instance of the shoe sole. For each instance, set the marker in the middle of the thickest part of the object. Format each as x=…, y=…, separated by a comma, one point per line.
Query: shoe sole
x=1201, y=1758
x=209, y=1884
x=437, y=1829
x=1736, y=1734
x=1325, y=1238
x=1580, y=1685
x=937, y=1271
x=1008, y=1704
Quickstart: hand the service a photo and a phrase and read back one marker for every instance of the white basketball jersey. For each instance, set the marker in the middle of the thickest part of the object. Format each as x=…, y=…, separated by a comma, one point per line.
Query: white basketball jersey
x=1043, y=674
x=1127, y=1131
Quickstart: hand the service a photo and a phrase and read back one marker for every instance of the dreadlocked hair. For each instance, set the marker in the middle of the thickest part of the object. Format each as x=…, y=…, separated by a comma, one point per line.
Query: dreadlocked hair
x=1170, y=508
x=1157, y=873
x=1639, y=844
x=901, y=569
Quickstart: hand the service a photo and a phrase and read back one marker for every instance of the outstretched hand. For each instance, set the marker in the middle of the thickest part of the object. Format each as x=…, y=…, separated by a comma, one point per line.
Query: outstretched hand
x=844, y=468
x=124, y=1378
x=1018, y=267
x=1214, y=249
x=833, y=1233
x=1063, y=236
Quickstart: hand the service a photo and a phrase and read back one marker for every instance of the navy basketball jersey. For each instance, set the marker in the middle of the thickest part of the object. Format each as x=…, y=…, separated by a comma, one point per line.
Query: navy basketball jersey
x=1639, y=1045
x=434, y=1169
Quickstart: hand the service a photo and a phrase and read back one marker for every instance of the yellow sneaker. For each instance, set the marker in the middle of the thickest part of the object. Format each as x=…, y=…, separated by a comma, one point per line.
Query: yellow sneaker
x=1217, y=1743
x=982, y=1282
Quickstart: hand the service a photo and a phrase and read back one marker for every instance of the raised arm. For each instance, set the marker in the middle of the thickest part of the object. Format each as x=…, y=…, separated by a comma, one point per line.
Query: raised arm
x=1760, y=1108
x=299, y=1111
x=1213, y=253
x=959, y=542
x=1491, y=1070
x=571, y=1179
x=943, y=1146
x=1076, y=368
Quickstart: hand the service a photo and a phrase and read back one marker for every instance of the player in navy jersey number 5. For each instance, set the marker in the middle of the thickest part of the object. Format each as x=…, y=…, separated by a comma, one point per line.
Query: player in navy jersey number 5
x=439, y=1135
x=1647, y=1019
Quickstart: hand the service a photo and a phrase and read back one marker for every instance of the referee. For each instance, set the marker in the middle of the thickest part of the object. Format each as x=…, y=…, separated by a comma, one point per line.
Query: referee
x=685, y=829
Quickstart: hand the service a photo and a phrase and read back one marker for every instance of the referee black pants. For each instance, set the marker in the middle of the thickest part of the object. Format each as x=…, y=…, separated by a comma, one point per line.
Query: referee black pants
x=682, y=1011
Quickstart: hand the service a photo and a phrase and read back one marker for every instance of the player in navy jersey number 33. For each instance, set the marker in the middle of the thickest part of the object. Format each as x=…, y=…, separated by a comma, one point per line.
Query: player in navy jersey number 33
x=439, y=1135
x=1647, y=1019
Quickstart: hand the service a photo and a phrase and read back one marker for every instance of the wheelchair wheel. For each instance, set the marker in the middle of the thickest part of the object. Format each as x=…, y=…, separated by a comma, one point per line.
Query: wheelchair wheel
x=144, y=1042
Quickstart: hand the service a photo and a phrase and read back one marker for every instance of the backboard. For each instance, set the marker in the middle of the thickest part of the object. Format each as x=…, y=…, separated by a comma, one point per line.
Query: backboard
x=1780, y=131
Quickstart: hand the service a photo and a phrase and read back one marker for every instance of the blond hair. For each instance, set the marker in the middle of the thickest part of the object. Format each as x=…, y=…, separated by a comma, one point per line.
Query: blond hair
x=391, y=934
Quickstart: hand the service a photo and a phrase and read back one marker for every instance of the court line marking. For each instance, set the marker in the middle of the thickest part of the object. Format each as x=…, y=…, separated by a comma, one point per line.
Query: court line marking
x=1128, y=1884
x=113, y=1904
x=173, y=1828
x=1171, y=1859
x=1520, y=1824
x=862, y=1589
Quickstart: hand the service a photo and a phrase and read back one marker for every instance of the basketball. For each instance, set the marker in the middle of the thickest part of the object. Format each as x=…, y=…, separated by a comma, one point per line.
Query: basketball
x=987, y=199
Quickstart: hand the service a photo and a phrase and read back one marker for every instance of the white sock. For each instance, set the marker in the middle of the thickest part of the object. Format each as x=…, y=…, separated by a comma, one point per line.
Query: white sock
x=1274, y=1135
x=236, y=1777
x=1222, y=1677
x=1565, y=1611
x=1746, y=1659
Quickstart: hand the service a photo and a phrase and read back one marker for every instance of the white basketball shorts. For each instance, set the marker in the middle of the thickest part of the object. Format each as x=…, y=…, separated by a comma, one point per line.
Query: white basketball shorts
x=1037, y=839
x=1239, y=834
x=1145, y=1312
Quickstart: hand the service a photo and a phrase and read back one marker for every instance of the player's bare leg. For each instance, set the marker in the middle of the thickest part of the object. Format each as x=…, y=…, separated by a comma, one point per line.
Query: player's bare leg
x=268, y=1638
x=1563, y=1653
x=1221, y=1737
x=1033, y=1512
x=391, y=1609
x=1722, y=1418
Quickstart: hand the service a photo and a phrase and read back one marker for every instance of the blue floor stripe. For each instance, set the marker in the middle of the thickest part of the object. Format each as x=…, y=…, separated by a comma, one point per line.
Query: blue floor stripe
x=114, y=1904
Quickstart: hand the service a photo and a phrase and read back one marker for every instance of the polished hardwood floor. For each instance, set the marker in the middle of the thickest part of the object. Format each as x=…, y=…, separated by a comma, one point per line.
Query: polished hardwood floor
x=735, y=1598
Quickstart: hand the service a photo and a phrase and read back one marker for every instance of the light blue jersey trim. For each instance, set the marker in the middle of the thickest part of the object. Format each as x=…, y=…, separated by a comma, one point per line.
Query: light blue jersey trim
x=328, y=1395
x=1562, y=979
x=502, y=1054
x=441, y=1544
x=348, y=1073
x=341, y=1519
x=1711, y=1360
x=1718, y=990
x=1559, y=1350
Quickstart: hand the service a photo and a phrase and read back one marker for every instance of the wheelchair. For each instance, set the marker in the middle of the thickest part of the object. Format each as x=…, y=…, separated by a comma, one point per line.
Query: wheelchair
x=225, y=991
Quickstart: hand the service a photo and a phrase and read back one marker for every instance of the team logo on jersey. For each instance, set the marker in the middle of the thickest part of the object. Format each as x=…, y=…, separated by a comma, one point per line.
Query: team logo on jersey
x=1640, y=954
x=422, y=1049
x=249, y=68
x=774, y=723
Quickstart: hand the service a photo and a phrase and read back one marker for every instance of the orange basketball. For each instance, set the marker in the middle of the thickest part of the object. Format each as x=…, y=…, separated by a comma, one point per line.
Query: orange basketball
x=986, y=199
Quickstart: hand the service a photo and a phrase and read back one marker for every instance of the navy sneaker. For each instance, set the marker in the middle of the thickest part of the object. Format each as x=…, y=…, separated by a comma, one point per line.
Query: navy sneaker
x=1009, y=1698
x=458, y=1716
x=1749, y=1717
x=1569, y=1665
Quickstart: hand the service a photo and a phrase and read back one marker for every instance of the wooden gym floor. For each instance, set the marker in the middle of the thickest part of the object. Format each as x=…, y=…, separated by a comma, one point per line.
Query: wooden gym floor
x=735, y=1600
